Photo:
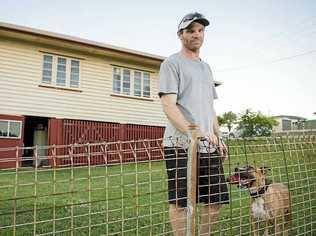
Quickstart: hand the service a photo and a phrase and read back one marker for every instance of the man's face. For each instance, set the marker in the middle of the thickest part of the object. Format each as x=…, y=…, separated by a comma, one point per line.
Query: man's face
x=192, y=37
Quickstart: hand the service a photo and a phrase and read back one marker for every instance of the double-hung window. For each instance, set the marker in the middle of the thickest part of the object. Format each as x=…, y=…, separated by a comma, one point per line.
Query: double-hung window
x=10, y=129
x=60, y=71
x=146, y=86
x=126, y=82
x=137, y=83
x=117, y=80
x=74, y=74
x=47, y=69
x=131, y=82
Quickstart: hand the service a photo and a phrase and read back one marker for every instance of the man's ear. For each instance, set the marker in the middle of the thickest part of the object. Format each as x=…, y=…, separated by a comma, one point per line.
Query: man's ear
x=179, y=33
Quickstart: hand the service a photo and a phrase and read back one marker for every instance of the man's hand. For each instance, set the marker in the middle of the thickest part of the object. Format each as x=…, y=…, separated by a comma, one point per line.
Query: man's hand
x=215, y=142
x=223, y=150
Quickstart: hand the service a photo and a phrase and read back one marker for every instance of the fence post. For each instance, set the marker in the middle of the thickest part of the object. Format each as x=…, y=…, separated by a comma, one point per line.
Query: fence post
x=191, y=181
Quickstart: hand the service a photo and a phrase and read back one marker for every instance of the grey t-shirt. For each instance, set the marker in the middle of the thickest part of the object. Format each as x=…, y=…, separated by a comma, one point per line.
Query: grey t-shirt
x=192, y=82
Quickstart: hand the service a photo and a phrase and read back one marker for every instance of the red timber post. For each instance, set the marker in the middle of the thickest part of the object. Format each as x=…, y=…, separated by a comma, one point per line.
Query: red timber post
x=123, y=133
x=122, y=137
x=55, y=137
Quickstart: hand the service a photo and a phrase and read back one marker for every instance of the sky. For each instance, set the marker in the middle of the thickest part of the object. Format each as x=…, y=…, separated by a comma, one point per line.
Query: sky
x=263, y=52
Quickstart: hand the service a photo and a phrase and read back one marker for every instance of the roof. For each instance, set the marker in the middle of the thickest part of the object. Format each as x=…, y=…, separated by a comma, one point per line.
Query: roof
x=290, y=117
x=80, y=41
x=32, y=31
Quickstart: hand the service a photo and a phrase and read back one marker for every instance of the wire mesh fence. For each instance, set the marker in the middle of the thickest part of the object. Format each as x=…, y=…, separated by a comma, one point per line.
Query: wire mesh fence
x=121, y=188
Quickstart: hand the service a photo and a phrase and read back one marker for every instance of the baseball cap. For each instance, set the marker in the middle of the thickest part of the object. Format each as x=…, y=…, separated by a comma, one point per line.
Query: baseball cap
x=192, y=17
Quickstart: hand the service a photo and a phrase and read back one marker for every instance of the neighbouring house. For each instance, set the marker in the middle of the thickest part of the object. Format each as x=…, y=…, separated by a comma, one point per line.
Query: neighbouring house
x=310, y=125
x=289, y=123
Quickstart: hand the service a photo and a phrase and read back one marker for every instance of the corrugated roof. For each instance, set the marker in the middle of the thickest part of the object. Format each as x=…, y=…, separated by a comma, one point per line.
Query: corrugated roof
x=290, y=117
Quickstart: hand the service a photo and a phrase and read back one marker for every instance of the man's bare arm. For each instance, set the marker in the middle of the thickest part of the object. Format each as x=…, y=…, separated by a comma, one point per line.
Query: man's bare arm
x=222, y=146
x=174, y=115
x=217, y=132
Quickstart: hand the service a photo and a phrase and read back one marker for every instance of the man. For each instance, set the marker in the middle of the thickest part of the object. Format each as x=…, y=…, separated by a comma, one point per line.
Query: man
x=187, y=91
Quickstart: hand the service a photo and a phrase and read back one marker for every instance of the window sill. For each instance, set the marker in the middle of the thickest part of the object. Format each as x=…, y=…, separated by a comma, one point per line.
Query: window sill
x=59, y=88
x=10, y=138
x=132, y=97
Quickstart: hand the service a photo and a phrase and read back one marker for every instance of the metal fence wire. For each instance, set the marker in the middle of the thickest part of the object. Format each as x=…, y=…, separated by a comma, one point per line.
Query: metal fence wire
x=121, y=188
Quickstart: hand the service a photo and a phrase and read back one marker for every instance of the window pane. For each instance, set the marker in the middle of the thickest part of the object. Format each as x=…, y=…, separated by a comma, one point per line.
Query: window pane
x=61, y=72
x=75, y=63
x=116, y=80
x=47, y=69
x=137, y=83
x=74, y=74
x=74, y=81
x=3, y=128
x=146, y=87
x=61, y=61
x=47, y=66
x=47, y=73
x=75, y=70
x=126, y=82
x=15, y=128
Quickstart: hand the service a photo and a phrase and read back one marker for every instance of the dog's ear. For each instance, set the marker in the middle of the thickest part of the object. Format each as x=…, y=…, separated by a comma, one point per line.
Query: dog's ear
x=264, y=169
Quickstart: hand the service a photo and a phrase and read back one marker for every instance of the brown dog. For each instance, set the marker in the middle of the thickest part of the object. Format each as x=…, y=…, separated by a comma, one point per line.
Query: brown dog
x=270, y=202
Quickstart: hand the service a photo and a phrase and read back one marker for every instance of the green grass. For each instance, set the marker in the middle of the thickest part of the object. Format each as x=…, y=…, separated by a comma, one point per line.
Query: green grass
x=131, y=199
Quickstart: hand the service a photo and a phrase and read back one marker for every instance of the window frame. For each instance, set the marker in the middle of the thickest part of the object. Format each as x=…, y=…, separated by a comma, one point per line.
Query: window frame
x=132, y=84
x=8, y=129
x=143, y=85
x=68, y=72
x=45, y=69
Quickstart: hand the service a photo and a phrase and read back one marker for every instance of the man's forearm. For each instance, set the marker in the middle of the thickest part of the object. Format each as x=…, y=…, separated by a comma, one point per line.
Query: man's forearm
x=216, y=130
x=175, y=116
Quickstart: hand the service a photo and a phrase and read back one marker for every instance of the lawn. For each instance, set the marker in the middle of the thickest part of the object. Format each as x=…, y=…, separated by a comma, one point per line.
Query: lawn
x=131, y=198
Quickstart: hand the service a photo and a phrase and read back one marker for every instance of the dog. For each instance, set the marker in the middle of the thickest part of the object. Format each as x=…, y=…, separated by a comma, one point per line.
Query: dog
x=270, y=202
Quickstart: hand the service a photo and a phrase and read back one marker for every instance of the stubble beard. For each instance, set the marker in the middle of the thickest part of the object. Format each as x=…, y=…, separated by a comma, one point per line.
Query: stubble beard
x=192, y=47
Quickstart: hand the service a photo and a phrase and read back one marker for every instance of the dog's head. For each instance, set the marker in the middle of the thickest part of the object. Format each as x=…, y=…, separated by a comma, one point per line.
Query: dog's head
x=249, y=177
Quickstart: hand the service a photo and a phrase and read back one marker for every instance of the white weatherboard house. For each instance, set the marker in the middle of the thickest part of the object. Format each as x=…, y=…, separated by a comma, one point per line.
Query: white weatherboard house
x=74, y=90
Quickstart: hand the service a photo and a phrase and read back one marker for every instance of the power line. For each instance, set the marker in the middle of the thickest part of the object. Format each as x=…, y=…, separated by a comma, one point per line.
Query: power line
x=267, y=62
x=286, y=35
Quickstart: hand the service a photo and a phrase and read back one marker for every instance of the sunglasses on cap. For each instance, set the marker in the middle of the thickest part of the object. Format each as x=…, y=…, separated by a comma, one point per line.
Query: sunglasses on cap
x=191, y=17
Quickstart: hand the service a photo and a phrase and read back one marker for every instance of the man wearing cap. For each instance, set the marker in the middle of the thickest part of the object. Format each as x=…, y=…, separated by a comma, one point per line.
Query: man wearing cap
x=187, y=91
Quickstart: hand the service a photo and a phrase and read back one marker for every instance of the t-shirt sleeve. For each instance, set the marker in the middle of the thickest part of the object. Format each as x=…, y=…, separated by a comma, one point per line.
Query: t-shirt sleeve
x=215, y=96
x=168, y=79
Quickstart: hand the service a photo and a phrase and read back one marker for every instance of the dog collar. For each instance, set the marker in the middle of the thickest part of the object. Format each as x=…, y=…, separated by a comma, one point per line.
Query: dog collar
x=259, y=192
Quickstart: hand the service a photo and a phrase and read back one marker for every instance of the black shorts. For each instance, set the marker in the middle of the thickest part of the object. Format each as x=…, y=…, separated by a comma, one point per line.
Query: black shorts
x=212, y=187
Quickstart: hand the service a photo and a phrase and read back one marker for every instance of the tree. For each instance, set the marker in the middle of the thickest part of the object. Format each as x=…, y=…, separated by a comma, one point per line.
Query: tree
x=228, y=119
x=220, y=120
x=255, y=124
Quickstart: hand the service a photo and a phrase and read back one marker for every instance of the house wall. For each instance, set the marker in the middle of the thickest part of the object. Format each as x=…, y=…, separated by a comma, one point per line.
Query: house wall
x=310, y=124
x=278, y=128
x=11, y=158
x=21, y=92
